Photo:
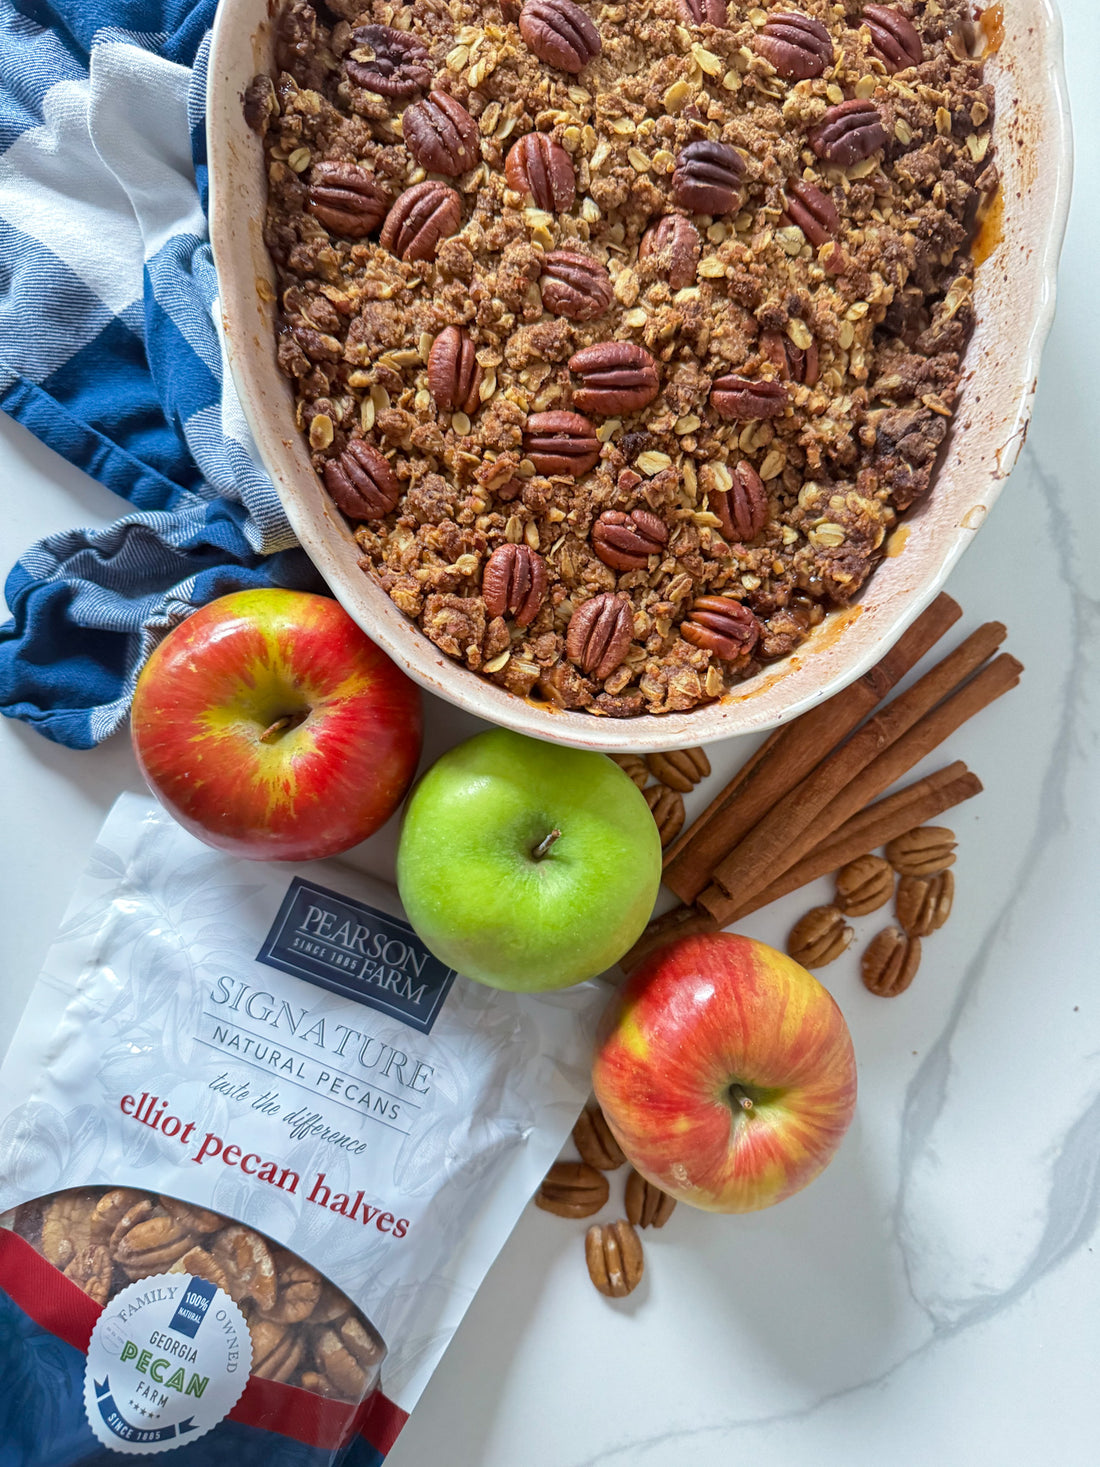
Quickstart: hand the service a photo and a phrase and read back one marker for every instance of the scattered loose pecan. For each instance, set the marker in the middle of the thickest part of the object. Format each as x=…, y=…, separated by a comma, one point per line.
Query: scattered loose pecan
x=923, y=903
x=813, y=211
x=819, y=937
x=795, y=363
x=848, y=133
x=722, y=626
x=667, y=809
x=922, y=852
x=514, y=583
x=560, y=33
x=634, y=767
x=680, y=769
x=441, y=135
x=420, y=218
x=600, y=631
x=361, y=482
x=454, y=377
x=398, y=65
x=742, y=509
x=674, y=245
x=703, y=12
x=346, y=199
x=613, y=1252
x=798, y=46
x=572, y=1189
x=560, y=443
x=707, y=178
x=894, y=37
x=626, y=541
x=864, y=885
x=745, y=399
x=890, y=962
x=617, y=377
x=575, y=285
x=646, y=1205
x=540, y=168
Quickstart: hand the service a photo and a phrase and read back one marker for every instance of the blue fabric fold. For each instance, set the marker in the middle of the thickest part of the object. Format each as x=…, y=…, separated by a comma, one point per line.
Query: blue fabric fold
x=110, y=353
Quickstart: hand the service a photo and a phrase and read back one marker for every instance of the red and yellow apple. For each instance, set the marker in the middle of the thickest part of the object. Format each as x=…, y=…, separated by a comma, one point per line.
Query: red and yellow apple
x=272, y=727
x=726, y=1073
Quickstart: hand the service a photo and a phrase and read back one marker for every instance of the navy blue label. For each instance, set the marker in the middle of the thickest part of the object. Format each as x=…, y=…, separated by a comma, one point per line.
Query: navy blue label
x=191, y=1310
x=357, y=952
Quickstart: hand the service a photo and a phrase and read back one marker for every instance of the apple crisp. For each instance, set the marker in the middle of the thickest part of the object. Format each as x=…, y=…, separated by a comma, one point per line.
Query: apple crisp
x=623, y=333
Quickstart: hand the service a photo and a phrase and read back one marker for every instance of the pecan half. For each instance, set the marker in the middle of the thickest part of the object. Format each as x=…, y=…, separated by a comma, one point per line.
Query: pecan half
x=613, y=1252
x=722, y=626
x=707, y=178
x=646, y=1205
x=819, y=937
x=626, y=541
x=634, y=767
x=420, y=218
x=560, y=443
x=454, y=377
x=667, y=809
x=617, y=376
x=441, y=135
x=572, y=1189
x=298, y=1289
x=742, y=509
x=593, y=1139
x=91, y=1270
x=745, y=399
x=795, y=363
x=894, y=37
x=541, y=169
x=398, y=65
x=109, y=1211
x=890, y=962
x=864, y=885
x=151, y=1245
x=575, y=285
x=246, y=1261
x=674, y=244
x=199, y=1261
x=600, y=631
x=349, y=1354
x=848, y=133
x=922, y=852
x=346, y=199
x=66, y=1227
x=514, y=583
x=361, y=482
x=680, y=769
x=276, y=1350
x=923, y=903
x=813, y=211
x=798, y=46
x=194, y=1219
x=560, y=33
x=703, y=12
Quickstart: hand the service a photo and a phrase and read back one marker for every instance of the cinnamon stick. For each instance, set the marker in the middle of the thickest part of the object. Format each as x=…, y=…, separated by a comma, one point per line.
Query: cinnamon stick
x=793, y=752
x=794, y=825
x=872, y=828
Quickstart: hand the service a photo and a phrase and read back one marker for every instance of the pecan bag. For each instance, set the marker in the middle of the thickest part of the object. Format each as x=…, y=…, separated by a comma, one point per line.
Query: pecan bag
x=257, y=1150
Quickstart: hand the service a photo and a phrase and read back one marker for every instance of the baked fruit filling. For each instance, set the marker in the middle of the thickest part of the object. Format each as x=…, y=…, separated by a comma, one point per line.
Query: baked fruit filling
x=623, y=333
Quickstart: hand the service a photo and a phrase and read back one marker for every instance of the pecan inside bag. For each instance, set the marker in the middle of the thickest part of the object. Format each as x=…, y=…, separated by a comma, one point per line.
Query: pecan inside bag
x=305, y=1331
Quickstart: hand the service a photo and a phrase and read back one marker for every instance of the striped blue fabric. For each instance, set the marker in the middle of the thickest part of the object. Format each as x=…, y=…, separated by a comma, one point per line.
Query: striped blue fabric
x=110, y=353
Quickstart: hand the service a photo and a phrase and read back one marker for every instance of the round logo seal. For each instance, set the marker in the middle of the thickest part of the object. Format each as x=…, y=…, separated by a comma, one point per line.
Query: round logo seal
x=168, y=1359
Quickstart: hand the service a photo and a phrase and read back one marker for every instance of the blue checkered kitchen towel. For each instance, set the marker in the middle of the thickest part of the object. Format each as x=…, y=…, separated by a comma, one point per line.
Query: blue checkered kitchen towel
x=110, y=352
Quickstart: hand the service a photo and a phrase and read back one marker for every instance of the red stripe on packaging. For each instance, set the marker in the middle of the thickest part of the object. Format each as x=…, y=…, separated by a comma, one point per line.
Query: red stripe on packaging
x=58, y=1306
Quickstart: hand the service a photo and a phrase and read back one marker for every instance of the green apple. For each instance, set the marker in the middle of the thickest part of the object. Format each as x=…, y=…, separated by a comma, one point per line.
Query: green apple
x=527, y=865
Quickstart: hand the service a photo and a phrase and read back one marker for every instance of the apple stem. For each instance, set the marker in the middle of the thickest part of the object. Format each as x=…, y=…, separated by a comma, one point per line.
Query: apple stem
x=544, y=845
x=273, y=730
x=742, y=1097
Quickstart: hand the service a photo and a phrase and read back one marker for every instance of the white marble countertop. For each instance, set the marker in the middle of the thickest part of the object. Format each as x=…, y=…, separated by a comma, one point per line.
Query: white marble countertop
x=935, y=1297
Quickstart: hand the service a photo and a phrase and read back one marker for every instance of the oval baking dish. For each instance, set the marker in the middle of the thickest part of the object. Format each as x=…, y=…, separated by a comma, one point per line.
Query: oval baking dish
x=1014, y=298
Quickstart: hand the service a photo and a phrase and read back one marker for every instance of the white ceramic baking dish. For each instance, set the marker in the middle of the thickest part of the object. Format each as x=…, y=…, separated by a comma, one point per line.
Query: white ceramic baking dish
x=1015, y=293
